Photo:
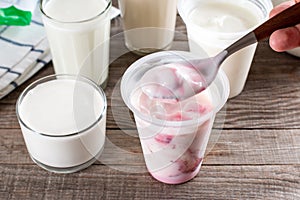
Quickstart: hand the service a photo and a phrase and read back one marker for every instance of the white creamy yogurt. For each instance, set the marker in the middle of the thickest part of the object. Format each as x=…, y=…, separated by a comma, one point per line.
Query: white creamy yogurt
x=224, y=17
x=214, y=25
x=63, y=122
x=173, y=134
x=78, y=32
x=173, y=154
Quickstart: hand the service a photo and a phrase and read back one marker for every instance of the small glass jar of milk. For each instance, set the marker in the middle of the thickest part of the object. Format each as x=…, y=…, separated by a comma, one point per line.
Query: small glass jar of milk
x=214, y=25
x=149, y=25
x=78, y=32
x=63, y=120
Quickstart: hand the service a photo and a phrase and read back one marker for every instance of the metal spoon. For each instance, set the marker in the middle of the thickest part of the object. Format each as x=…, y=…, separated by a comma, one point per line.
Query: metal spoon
x=170, y=80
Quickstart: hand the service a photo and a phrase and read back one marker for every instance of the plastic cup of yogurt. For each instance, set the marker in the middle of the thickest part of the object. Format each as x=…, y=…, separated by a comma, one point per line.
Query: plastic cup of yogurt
x=78, y=32
x=214, y=25
x=63, y=120
x=173, y=135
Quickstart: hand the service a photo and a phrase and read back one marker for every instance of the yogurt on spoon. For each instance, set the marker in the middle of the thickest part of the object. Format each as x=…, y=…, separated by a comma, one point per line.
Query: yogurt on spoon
x=177, y=80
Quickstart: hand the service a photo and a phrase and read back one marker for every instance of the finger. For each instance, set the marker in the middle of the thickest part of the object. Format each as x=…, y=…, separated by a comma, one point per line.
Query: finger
x=281, y=7
x=285, y=39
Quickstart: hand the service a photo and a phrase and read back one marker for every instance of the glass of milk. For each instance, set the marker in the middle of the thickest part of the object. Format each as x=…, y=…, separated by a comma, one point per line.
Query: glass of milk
x=214, y=25
x=173, y=135
x=63, y=120
x=148, y=24
x=78, y=32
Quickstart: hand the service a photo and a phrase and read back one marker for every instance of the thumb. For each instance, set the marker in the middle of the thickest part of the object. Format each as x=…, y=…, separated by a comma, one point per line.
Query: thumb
x=285, y=39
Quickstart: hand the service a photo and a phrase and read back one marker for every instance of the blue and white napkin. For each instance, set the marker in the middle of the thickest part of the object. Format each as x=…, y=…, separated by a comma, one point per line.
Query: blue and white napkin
x=24, y=50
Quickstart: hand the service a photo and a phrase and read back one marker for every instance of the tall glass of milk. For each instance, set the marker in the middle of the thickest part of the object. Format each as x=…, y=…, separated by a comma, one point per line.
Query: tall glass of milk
x=78, y=32
x=214, y=25
x=148, y=24
x=63, y=120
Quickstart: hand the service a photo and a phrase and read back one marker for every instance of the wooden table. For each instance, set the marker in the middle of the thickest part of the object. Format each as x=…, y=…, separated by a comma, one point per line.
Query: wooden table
x=255, y=154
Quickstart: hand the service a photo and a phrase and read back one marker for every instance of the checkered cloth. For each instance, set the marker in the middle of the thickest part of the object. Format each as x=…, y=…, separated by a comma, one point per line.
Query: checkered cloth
x=24, y=51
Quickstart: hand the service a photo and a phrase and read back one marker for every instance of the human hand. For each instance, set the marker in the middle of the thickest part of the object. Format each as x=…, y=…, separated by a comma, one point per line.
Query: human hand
x=287, y=38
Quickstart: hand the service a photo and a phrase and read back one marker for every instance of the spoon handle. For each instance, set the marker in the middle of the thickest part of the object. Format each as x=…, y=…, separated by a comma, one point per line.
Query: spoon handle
x=287, y=18
x=284, y=19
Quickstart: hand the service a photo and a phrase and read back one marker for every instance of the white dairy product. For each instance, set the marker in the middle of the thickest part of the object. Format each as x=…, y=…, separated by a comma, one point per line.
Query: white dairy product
x=149, y=24
x=225, y=17
x=63, y=122
x=173, y=134
x=78, y=32
x=174, y=154
x=214, y=25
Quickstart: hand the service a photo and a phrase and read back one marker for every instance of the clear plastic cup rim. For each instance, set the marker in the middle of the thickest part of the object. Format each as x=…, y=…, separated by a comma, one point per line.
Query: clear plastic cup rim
x=135, y=68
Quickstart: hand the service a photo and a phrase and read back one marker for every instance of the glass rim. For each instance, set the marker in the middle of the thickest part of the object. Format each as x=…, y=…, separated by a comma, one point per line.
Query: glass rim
x=109, y=4
x=65, y=77
x=135, y=67
x=264, y=6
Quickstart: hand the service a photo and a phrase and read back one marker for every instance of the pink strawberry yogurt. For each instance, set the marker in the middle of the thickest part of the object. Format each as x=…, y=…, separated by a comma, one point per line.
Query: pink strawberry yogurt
x=173, y=154
x=173, y=82
x=173, y=133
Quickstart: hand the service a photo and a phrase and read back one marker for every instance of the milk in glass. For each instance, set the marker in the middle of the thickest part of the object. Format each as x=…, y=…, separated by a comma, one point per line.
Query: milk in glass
x=63, y=123
x=148, y=24
x=78, y=32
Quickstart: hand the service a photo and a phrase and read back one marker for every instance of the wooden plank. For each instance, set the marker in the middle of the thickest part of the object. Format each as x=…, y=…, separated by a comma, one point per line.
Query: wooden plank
x=271, y=95
x=99, y=182
x=226, y=147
